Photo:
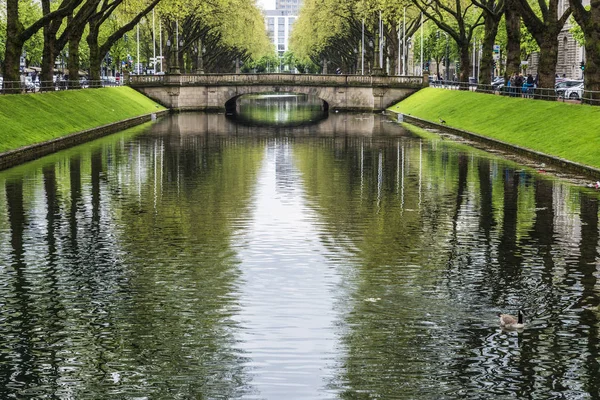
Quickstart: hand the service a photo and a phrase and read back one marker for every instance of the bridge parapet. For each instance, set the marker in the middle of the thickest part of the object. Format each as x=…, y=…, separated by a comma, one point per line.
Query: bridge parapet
x=276, y=79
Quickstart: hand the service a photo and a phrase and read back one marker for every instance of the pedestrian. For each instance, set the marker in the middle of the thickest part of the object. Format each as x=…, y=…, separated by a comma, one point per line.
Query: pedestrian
x=519, y=82
x=513, y=84
x=529, y=84
x=535, y=81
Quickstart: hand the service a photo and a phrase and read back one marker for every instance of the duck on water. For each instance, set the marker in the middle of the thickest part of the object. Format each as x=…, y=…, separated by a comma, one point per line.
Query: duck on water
x=508, y=321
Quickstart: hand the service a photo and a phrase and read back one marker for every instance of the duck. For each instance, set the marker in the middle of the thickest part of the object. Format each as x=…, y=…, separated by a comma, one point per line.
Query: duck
x=508, y=321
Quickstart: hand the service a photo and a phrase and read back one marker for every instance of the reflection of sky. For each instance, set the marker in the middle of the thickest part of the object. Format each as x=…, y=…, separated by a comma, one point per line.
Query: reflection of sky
x=286, y=297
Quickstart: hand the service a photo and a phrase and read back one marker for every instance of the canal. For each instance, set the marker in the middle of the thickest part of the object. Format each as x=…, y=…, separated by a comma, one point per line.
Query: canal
x=253, y=256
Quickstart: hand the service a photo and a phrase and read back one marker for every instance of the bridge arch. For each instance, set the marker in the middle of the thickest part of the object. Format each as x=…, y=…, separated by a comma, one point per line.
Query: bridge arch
x=231, y=104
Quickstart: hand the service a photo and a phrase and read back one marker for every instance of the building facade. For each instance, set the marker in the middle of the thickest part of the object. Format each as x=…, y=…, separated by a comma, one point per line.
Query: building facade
x=291, y=6
x=279, y=23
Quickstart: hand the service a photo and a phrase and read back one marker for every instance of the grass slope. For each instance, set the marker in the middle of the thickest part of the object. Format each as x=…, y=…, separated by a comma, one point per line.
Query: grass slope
x=570, y=131
x=33, y=118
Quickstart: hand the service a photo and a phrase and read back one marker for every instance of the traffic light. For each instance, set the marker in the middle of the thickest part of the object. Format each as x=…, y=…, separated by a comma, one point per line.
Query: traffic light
x=582, y=65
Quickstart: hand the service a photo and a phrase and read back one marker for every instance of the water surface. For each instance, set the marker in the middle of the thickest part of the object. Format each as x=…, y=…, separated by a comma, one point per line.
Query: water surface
x=350, y=259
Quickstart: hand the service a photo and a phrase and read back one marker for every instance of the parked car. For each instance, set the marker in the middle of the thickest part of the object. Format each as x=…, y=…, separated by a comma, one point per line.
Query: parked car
x=560, y=87
x=498, y=83
x=574, y=92
x=28, y=84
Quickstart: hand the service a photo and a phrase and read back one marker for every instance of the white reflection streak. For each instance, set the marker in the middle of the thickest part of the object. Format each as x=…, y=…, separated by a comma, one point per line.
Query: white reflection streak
x=402, y=182
x=155, y=160
x=139, y=173
x=398, y=165
x=362, y=159
x=420, y=170
x=379, y=179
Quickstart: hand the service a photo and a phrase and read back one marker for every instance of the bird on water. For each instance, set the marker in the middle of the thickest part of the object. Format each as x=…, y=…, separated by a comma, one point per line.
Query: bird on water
x=508, y=321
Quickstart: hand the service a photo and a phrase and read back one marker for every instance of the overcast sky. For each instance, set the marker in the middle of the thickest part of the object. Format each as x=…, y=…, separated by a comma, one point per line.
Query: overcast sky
x=267, y=4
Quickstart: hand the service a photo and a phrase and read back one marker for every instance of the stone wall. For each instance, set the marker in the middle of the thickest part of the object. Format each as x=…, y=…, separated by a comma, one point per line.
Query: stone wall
x=14, y=157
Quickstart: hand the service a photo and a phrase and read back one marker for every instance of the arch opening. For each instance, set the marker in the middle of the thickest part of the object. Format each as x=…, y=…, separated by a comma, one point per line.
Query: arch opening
x=277, y=109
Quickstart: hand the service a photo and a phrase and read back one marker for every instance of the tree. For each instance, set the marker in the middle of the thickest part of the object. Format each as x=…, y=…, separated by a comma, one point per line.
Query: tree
x=329, y=32
x=513, y=38
x=97, y=19
x=588, y=19
x=17, y=34
x=492, y=14
x=458, y=18
x=544, y=25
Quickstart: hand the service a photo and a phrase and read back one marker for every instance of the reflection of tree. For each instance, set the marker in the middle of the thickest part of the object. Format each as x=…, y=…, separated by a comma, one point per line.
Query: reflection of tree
x=178, y=236
x=126, y=289
x=590, y=298
x=508, y=255
x=398, y=237
x=16, y=352
x=369, y=197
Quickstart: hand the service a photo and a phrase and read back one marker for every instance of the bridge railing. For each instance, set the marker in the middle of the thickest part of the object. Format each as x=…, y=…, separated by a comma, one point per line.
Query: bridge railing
x=270, y=79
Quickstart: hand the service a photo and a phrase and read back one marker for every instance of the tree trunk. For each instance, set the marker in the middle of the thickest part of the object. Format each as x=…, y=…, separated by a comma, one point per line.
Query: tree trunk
x=465, y=64
x=548, y=59
x=513, y=36
x=588, y=20
x=592, y=67
x=487, y=54
x=74, y=62
x=49, y=50
x=14, y=48
x=95, y=58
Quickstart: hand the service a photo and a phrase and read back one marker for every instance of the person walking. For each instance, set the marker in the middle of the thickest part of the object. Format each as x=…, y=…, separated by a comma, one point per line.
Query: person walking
x=513, y=85
x=529, y=84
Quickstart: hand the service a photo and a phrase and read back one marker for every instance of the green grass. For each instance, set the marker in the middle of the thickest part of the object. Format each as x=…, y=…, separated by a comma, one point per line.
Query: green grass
x=569, y=131
x=27, y=119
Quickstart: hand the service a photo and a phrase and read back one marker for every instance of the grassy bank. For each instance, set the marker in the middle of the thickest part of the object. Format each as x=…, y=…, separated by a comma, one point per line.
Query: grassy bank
x=569, y=131
x=34, y=118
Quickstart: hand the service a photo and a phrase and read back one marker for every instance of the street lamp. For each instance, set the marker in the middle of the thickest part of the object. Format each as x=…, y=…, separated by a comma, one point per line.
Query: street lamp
x=174, y=64
x=447, y=59
x=199, y=61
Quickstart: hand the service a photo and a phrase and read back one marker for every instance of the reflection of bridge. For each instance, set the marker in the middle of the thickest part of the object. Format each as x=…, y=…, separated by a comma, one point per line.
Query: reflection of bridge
x=220, y=91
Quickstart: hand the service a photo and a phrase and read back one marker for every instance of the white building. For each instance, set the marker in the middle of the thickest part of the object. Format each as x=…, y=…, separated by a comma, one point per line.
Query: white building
x=279, y=27
x=279, y=23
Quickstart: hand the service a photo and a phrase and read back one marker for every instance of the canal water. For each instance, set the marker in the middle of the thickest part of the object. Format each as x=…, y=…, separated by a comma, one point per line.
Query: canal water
x=211, y=256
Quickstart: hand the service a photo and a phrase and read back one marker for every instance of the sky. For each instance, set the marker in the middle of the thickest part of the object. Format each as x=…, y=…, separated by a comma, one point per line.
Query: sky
x=267, y=4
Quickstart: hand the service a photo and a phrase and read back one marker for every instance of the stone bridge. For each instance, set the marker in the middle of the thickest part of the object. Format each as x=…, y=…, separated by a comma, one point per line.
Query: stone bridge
x=220, y=91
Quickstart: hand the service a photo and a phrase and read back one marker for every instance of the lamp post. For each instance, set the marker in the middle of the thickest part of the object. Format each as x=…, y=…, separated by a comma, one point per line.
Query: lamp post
x=447, y=59
x=200, y=50
x=174, y=64
x=179, y=46
x=377, y=70
x=404, y=43
x=362, y=49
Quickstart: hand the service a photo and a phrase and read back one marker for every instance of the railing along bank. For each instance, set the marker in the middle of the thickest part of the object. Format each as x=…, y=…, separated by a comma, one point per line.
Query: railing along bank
x=576, y=96
x=274, y=79
x=15, y=87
